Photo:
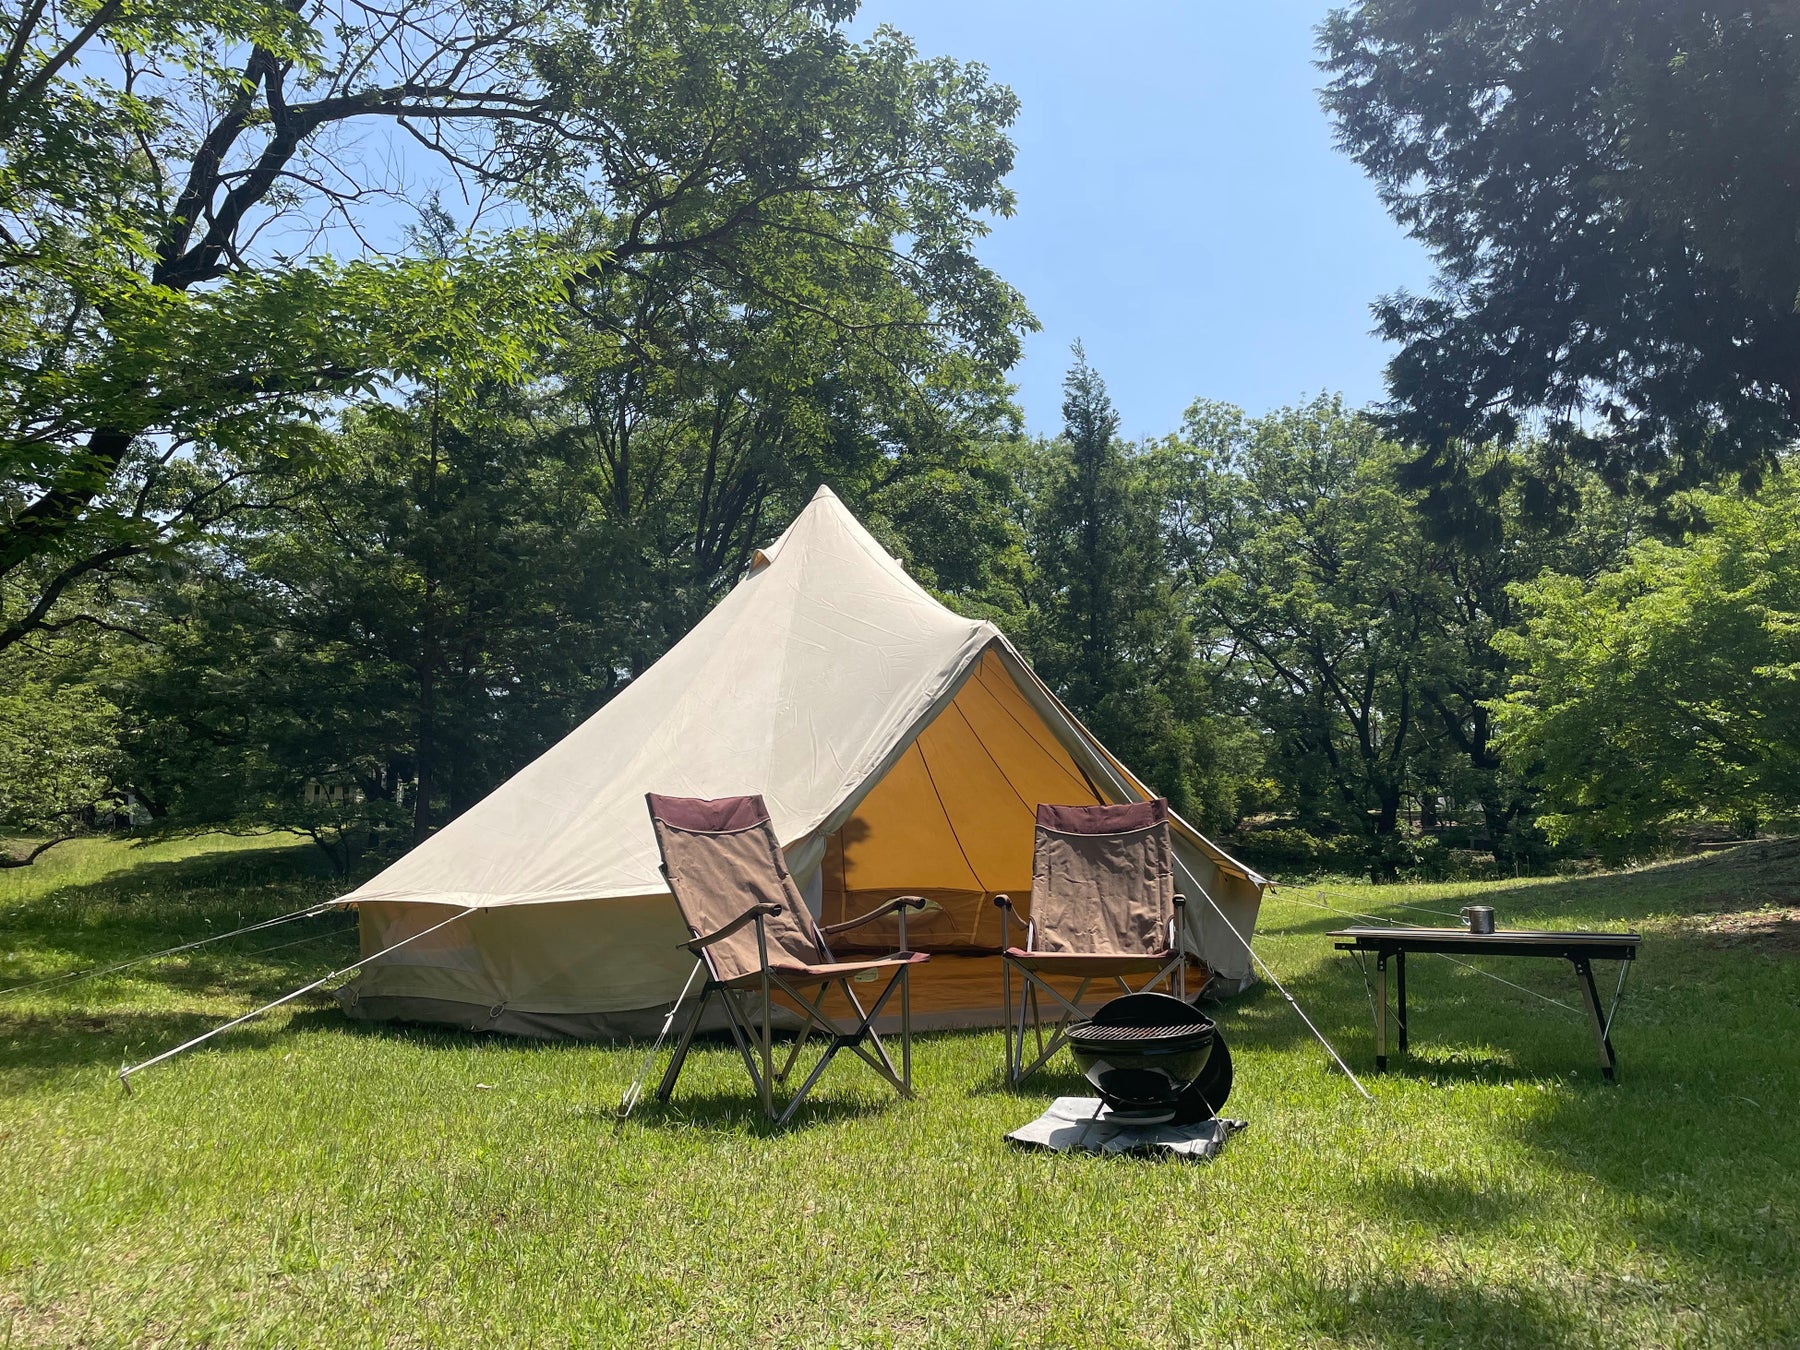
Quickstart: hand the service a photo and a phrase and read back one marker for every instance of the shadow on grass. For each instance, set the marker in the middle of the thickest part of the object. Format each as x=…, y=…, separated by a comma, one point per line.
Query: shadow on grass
x=1682, y=1154
x=1391, y=1310
x=145, y=907
x=1463, y=1027
x=739, y=1111
x=1058, y=1078
x=1442, y=1066
x=1449, y=1204
x=39, y=1047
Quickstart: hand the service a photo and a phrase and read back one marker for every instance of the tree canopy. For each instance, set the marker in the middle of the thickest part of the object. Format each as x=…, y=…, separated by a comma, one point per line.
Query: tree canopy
x=1615, y=218
x=1662, y=689
x=173, y=178
x=332, y=492
x=1104, y=624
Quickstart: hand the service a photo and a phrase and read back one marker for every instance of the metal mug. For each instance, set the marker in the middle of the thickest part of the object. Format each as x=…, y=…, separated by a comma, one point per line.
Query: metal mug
x=1479, y=918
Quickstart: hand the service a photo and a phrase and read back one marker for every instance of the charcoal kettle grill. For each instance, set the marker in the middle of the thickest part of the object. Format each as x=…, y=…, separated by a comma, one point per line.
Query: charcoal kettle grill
x=1153, y=1059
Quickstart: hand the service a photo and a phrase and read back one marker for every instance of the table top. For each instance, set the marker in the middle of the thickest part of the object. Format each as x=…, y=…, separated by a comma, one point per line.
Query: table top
x=1513, y=941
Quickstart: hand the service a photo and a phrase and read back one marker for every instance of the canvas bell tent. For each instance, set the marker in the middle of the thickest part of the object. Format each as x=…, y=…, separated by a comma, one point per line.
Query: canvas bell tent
x=901, y=748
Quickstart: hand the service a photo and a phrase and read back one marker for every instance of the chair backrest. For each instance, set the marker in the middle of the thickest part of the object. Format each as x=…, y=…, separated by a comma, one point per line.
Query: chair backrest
x=721, y=856
x=1103, y=879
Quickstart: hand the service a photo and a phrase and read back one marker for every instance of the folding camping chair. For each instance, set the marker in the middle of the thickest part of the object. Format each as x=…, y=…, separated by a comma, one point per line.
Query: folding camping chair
x=1103, y=906
x=753, y=937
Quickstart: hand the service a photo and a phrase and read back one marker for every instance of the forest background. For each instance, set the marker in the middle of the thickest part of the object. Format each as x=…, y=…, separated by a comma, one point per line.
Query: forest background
x=333, y=543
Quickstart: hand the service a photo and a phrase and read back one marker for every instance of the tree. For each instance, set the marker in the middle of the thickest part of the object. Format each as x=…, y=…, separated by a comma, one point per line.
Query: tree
x=433, y=613
x=1663, y=689
x=59, y=749
x=1298, y=549
x=851, y=336
x=151, y=212
x=1103, y=626
x=706, y=410
x=761, y=274
x=148, y=150
x=1612, y=207
x=1355, y=632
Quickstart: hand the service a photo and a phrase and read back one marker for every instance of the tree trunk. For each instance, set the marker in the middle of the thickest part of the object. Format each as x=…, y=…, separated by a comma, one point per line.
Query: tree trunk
x=424, y=754
x=1382, y=865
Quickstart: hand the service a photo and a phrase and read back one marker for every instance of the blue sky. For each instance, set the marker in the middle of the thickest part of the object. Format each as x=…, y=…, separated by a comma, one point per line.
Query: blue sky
x=1182, y=209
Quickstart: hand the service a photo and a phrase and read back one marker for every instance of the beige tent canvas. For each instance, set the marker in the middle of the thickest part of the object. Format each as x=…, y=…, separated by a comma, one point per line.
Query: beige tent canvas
x=901, y=748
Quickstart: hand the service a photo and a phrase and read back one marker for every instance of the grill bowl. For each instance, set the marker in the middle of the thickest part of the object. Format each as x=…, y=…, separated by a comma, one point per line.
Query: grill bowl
x=1142, y=1051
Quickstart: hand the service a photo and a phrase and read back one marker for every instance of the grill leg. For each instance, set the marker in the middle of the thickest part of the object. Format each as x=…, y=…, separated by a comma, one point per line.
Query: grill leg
x=1381, y=1011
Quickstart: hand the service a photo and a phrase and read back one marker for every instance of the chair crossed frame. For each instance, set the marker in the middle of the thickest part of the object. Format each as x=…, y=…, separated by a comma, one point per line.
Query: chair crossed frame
x=754, y=1035
x=1173, y=971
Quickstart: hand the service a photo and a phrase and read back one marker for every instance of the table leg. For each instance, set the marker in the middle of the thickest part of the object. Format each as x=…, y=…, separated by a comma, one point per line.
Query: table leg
x=1608, y=1061
x=1400, y=996
x=1381, y=1011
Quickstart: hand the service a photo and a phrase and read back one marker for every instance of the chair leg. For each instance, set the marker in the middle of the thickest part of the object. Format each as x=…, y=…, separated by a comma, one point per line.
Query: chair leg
x=818, y=1069
x=1016, y=1070
x=905, y=1025
x=743, y=1034
x=838, y=1040
x=768, y=1048
x=667, y=1086
x=1006, y=1013
x=883, y=1065
x=1071, y=1008
x=794, y=1054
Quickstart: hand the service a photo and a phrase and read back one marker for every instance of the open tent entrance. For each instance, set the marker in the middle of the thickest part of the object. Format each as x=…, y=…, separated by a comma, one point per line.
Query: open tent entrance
x=953, y=820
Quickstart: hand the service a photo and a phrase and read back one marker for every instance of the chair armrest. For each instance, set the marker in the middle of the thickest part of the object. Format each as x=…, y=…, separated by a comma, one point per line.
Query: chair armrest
x=880, y=911
x=1180, y=899
x=750, y=915
x=1005, y=902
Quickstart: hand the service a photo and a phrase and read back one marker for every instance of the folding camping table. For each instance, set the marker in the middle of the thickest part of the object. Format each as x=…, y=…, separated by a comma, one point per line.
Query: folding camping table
x=1580, y=949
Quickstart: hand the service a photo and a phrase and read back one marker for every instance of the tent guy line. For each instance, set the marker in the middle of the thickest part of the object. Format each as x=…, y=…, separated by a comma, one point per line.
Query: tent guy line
x=126, y=1071
x=75, y=977
x=1292, y=1001
x=636, y=1090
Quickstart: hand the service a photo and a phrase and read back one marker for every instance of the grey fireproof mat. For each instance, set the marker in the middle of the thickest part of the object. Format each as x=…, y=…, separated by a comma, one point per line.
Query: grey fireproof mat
x=1081, y=1123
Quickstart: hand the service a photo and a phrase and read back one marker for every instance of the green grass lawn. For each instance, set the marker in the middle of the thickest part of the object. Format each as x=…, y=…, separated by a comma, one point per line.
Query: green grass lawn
x=307, y=1181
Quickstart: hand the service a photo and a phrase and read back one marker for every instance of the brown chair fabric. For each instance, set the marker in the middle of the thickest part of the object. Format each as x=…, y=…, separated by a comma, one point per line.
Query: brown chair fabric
x=1103, y=880
x=708, y=815
x=1114, y=819
x=1084, y=965
x=836, y=970
x=721, y=857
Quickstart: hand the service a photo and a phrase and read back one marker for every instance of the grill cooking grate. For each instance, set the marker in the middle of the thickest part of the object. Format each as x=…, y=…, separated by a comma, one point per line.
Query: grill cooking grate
x=1099, y=1035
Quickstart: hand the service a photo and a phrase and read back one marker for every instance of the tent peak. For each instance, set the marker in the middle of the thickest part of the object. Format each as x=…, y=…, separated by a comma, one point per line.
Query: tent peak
x=825, y=511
